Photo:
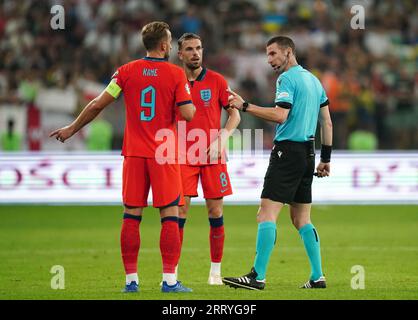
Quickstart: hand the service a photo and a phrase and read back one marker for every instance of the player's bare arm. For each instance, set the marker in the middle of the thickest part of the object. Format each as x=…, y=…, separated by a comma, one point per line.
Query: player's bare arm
x=90, y=111
x=276, y=114
x=323, y=168
x=187, y=111
x=217, y=147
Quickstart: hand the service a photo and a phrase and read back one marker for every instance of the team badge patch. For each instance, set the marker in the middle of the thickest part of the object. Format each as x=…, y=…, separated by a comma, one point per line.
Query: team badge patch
x=205, y=95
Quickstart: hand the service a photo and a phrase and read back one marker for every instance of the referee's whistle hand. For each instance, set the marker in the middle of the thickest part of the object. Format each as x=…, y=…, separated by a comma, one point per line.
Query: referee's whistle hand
x=323, y=170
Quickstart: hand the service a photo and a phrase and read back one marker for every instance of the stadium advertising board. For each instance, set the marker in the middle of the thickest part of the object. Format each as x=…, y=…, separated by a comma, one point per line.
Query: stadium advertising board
x=96, y=178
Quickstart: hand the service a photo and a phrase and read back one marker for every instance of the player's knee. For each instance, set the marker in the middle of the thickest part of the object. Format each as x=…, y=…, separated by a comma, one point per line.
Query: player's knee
x=136, y=211
x=215, y=212
x=171, y=211
x=183, y=210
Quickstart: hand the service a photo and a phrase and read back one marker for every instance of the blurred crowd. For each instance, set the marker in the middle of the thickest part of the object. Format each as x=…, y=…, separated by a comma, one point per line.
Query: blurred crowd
x=369, y=74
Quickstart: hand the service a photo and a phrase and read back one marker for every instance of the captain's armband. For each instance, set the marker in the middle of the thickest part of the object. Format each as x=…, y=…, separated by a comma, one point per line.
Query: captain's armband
x=113, y=89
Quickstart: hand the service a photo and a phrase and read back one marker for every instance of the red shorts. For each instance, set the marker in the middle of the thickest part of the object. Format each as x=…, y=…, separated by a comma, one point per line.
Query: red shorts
x=214, y=178
x=141, y=173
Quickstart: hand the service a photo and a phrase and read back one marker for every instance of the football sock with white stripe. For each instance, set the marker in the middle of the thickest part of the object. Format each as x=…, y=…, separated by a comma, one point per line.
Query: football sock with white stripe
x=312, y=245
x=132, y=277
x=170, y=278
x=215, y=268
x=266, y=238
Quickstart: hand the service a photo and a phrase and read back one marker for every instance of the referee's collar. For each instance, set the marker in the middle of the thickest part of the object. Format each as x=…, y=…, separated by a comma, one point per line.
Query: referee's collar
x=295, y=66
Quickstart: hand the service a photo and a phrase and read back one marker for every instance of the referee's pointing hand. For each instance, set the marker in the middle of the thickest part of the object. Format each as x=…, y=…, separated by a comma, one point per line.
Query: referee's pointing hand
x=235, y=100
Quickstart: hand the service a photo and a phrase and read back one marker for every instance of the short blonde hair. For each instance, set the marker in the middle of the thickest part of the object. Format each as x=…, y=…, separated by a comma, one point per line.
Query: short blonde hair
x=153, y=33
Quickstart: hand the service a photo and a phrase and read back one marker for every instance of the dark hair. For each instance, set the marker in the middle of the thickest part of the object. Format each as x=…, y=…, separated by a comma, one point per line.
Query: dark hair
x=187, y=36
x=153, y=33
x=284, y=42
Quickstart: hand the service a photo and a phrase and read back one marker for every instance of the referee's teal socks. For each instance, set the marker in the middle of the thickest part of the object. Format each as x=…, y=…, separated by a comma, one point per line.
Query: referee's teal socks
x=312, y=245
x=266, y=238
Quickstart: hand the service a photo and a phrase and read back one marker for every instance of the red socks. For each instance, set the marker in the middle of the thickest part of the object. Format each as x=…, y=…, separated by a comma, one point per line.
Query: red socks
x=216, y=238
x=171, y=238
x=182, y=221
x=170, y=243
x=130, y=242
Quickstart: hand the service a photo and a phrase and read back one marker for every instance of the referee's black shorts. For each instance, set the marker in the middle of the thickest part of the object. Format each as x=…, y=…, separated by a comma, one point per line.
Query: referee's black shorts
x=290, y=173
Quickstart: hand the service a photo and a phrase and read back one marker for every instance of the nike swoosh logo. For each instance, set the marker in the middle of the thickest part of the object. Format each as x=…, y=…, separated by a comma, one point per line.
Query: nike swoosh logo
x=222, y=191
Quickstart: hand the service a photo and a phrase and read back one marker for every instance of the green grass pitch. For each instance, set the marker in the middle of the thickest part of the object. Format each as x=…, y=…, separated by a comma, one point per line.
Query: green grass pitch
x=85, y=241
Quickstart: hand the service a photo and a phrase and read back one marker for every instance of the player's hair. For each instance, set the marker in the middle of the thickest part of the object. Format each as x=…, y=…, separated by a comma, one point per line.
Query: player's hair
x=284, y=42
x=187, y=36
x=153, y=33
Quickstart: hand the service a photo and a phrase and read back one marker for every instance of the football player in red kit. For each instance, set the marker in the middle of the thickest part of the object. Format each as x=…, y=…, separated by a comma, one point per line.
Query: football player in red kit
x=152, y=89
x=210, y=96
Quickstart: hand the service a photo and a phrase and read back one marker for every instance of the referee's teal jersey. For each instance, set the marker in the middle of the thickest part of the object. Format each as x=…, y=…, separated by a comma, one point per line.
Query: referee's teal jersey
x=302, y=92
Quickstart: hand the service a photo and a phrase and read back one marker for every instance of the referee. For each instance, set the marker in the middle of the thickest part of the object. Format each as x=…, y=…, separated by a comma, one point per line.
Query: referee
x=300, y=102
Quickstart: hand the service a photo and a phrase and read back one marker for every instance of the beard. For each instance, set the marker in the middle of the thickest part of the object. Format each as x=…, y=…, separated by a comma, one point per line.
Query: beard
x=282, y=67
x=167, y=55
x=193, y=65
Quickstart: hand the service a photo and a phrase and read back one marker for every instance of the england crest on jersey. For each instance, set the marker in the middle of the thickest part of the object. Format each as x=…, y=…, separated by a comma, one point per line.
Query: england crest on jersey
x=205, y=95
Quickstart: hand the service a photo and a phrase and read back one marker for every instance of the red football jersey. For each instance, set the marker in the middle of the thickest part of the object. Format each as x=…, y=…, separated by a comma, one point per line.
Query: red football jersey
x=152, y=89
x=209, y=96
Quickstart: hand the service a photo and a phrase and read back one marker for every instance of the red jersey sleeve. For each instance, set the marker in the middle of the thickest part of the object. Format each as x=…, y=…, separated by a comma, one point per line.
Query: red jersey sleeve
x=223, y=94
x=116, y=84
x=119, y=78
x=183, y=95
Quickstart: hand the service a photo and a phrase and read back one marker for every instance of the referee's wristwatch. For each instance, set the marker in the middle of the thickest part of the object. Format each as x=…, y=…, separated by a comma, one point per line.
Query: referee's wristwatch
x=245, y=106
